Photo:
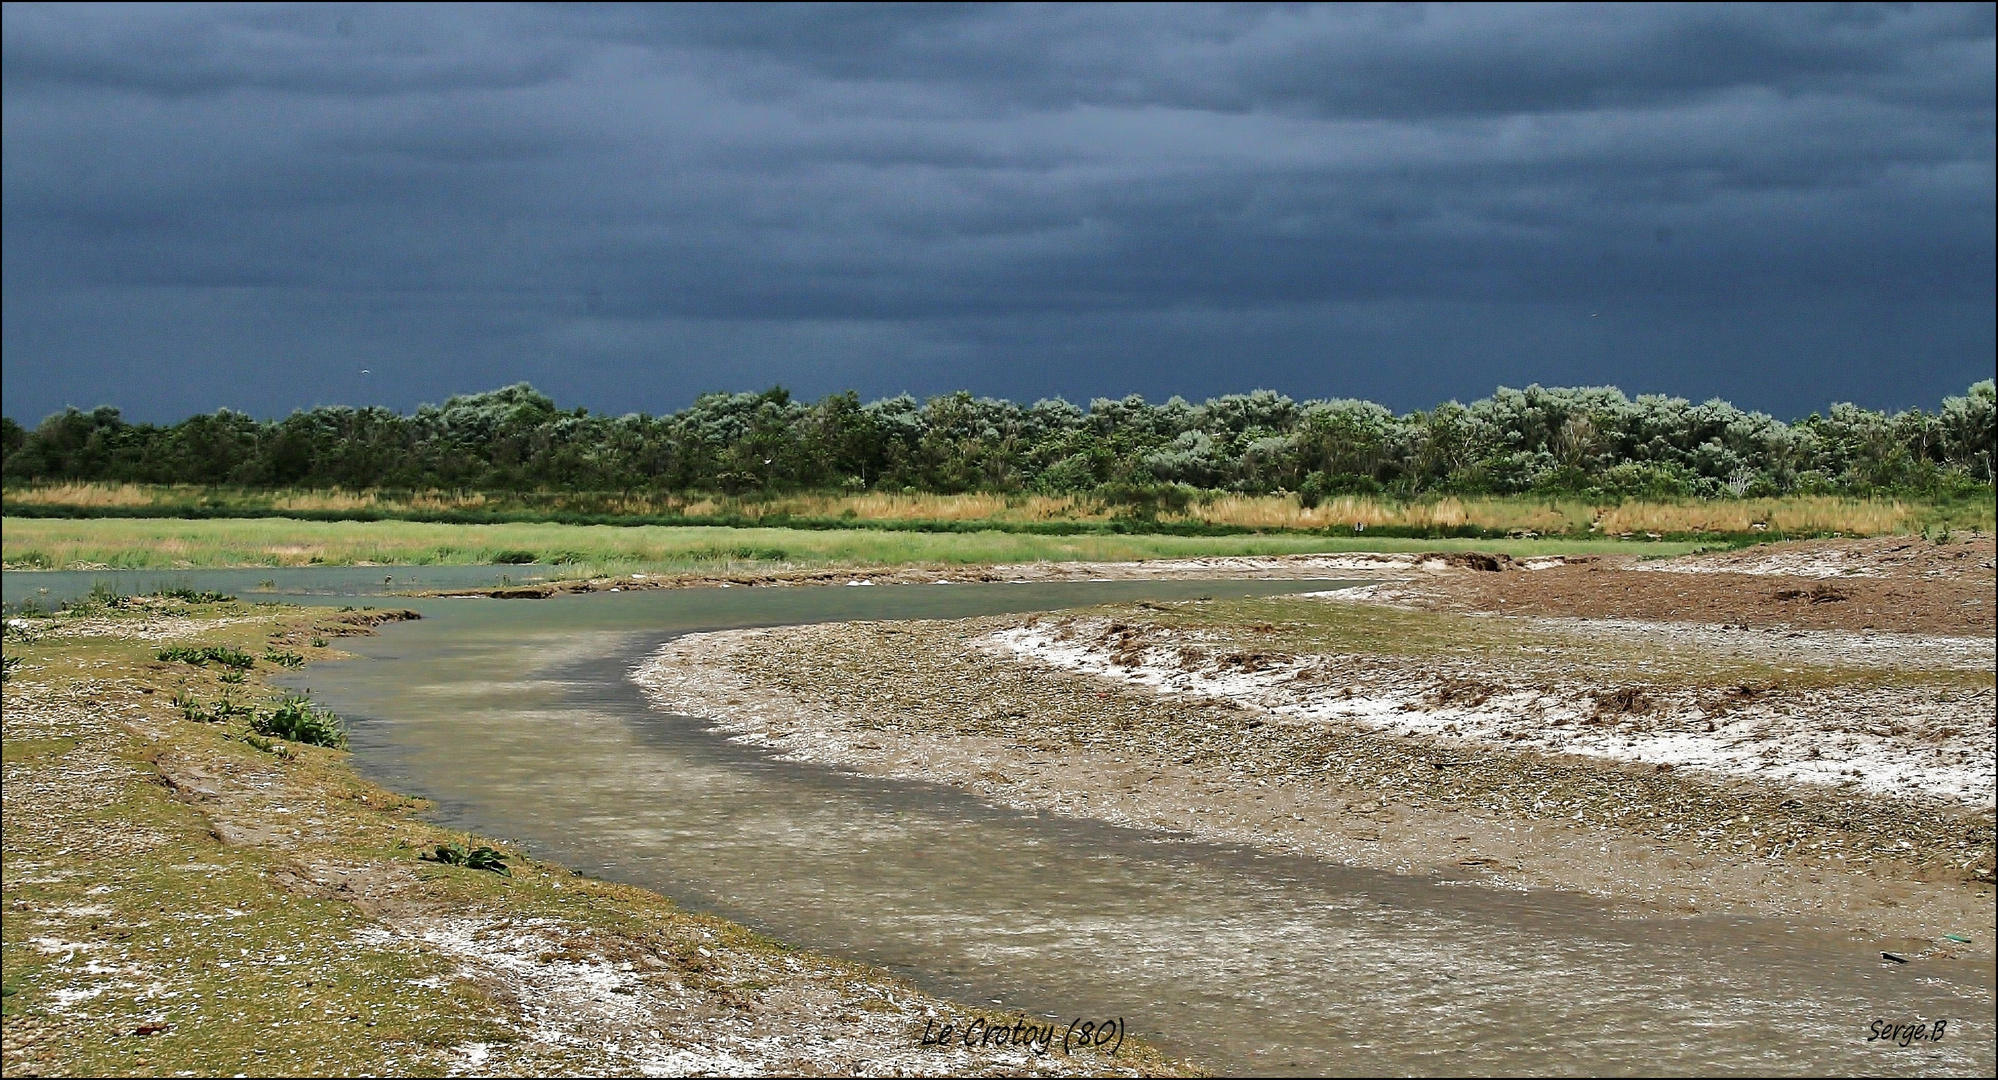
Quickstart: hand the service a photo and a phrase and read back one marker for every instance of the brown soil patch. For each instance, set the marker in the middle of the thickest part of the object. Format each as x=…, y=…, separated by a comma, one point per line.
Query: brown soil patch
x=1903, y=585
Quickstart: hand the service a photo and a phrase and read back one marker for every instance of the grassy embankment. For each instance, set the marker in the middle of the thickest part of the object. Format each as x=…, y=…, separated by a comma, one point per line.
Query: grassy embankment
x=595, y=550
x=137, y=941
x=1214, y=512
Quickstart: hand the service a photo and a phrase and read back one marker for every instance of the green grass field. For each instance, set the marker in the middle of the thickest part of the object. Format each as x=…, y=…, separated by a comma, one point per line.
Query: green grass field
x=591, y=550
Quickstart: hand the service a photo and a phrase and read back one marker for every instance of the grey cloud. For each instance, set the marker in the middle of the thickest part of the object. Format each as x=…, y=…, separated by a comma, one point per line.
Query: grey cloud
x=1350, y=60
x=941, y=183
x=320, y=49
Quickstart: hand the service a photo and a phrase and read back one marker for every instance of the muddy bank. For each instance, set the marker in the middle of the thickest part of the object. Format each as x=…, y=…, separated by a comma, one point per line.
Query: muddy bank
x=1272, y=567
x=185, y=896
x=1902, y=584
x=1654, y=785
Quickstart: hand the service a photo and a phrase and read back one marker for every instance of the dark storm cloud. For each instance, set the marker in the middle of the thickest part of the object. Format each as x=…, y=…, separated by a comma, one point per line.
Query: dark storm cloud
x=245, y=205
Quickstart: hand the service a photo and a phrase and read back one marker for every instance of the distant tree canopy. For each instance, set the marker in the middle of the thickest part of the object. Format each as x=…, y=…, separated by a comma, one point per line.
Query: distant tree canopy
x=1588, y=441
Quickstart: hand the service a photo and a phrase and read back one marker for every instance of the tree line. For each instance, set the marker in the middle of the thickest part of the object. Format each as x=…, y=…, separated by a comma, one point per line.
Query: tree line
x=1590, y=441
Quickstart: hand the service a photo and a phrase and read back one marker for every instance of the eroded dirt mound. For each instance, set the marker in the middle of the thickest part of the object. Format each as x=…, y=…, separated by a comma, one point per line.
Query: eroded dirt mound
x=1965, y=557
x=1907, y=585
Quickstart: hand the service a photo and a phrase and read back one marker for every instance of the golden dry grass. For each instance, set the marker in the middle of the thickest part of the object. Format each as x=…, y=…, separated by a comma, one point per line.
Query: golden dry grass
x=1798, y=514
x=1794, y=514
x=98, y=495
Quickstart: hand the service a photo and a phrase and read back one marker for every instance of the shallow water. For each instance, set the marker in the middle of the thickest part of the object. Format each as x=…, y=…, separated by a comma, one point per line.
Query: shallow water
x=519, y=718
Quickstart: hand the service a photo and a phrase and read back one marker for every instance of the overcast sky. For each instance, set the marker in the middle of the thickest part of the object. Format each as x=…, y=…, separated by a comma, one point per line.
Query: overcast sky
x=248, y=206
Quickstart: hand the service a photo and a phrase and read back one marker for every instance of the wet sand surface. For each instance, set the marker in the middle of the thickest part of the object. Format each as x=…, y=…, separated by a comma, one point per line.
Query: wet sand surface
x=1237, y=955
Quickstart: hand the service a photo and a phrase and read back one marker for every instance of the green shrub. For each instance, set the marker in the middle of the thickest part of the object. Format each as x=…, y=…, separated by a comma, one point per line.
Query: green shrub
x=285, y=659
x=1313, y=490
x=514, y=558
x=294, y=717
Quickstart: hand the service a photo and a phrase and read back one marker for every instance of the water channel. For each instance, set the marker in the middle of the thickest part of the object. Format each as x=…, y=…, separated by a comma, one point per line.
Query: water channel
x=519, y=719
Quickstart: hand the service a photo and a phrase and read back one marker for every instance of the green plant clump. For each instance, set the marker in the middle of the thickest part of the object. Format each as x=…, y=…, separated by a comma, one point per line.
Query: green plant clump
x=285, y=659
x=294, y=717
x=191, y=708
x=200, y=657
x=191, y=596
x=478, y=858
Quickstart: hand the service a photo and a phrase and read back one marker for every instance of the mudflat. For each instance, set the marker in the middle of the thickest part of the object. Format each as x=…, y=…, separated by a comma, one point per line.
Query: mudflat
x=1672, y=737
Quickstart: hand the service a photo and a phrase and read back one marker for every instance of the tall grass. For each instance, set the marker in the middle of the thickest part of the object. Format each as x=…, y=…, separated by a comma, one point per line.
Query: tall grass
x=1854, y=517
x=1794, y=514
x=585, y=550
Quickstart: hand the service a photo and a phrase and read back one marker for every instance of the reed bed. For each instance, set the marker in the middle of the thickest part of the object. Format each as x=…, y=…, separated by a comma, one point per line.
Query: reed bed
x=1853, y=517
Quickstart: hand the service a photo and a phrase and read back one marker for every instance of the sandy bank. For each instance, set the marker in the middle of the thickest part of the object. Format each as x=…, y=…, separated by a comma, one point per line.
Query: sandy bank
x=1877, y=740
x=991, y=706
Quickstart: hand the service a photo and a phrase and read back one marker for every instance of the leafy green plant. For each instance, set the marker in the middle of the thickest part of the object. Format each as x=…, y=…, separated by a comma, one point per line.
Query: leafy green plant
x=270, y=747
x=478, y=858
x=294, y=717
x=285, y=659
x=318, y=642
x=193, y=597
x=101, y=598
x=191, y=708
x=234, y=678
x=202, y=656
